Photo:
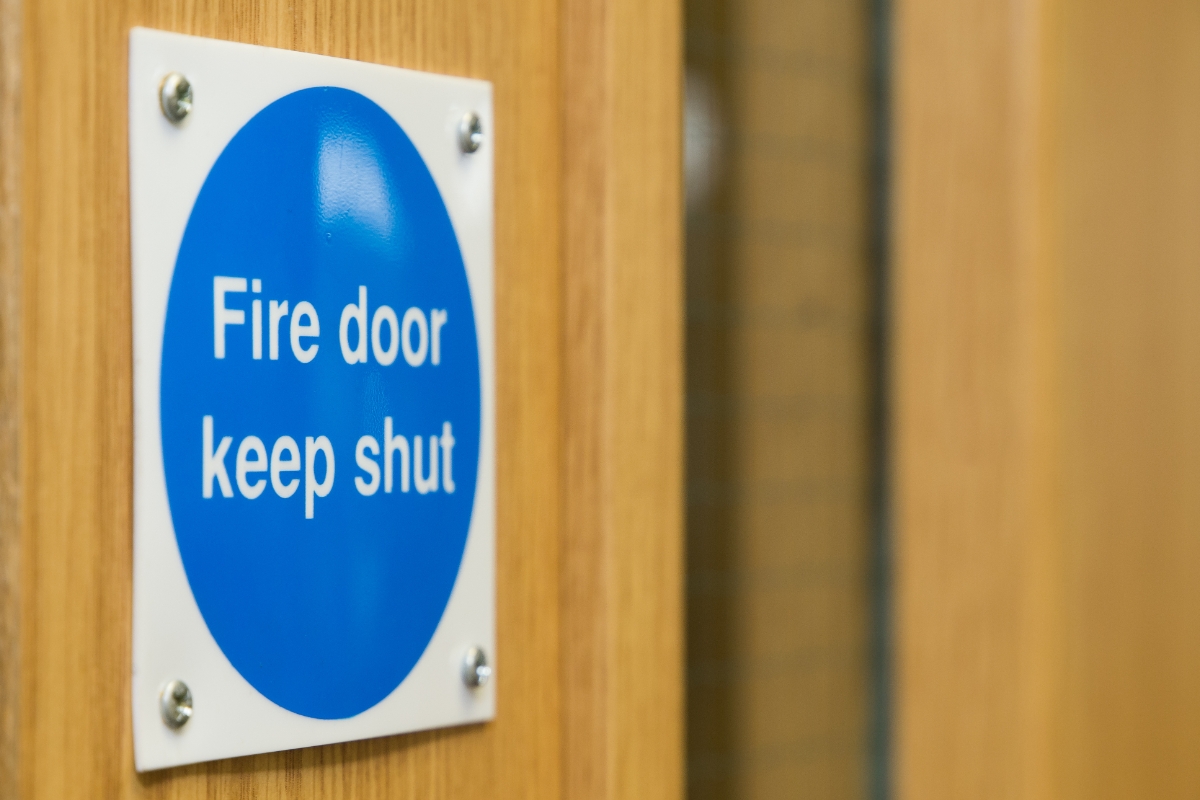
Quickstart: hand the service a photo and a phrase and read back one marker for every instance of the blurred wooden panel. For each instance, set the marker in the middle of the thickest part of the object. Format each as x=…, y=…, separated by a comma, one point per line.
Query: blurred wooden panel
x=1047, y=398
x=779, y=402
x=65, y=377
x=971, y=406
x=1127, y=173
x=10, y=406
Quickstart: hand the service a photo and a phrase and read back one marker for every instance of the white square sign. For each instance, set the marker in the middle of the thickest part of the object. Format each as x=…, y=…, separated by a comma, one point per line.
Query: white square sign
x=314, y=399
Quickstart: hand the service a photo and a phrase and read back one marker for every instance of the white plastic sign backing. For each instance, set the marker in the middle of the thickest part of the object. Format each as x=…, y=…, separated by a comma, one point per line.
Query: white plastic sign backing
x=314, y=399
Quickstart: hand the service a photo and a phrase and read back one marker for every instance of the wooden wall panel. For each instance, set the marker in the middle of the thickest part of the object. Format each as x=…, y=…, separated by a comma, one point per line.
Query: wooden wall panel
x=1127, y=169
x=589, y=408
x=780, y=366
x=75, y=420
x=970, y=405
x=1047, y=373
x=10, y=395
x=622, y=589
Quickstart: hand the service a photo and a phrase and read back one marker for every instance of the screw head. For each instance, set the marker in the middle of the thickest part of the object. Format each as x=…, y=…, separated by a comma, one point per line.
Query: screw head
x=175, y=704
x=470, y=132
x=175, y=97
x=475, y=669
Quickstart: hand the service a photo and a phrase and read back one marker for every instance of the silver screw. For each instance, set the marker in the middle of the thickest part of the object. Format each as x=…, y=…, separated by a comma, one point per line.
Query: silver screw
x=175, y=97
x=475, y=669
x=175, y=704
x=470, y=132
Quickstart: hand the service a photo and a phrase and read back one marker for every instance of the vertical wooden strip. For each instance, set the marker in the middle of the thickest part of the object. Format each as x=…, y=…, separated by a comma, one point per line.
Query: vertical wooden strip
x=977, y=614
x=622, y=560
x=10, y=391
x=587, y=557
x=647, y=399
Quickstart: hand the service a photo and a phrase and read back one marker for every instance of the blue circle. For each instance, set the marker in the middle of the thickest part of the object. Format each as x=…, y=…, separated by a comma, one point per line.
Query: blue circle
x=319, y=194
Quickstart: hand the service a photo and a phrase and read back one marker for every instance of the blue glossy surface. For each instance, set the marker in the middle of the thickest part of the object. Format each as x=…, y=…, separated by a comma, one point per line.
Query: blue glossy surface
x=320, y=193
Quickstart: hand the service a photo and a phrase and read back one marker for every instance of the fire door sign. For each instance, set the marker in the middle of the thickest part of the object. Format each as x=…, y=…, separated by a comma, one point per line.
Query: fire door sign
x=314, y=434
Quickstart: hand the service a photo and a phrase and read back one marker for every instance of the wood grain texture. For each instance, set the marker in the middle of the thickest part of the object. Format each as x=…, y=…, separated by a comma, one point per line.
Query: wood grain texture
x=1047, y=363
x=1126, y=168
x=75, y=737
x=974, y=403
x=622, y=389
x=10, y=394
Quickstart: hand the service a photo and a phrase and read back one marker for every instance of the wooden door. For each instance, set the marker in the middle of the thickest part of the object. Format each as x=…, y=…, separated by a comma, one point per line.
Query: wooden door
x=1046, y=415
x=589, y=385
